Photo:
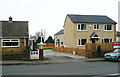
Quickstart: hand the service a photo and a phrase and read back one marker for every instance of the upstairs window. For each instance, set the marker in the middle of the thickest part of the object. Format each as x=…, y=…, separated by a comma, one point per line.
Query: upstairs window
x=96, y=27
x=10, y=42
x=82, y=27
x=107, y=27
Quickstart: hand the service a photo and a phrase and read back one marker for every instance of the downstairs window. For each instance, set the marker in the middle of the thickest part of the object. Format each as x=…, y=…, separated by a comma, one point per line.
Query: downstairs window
x=10, y=42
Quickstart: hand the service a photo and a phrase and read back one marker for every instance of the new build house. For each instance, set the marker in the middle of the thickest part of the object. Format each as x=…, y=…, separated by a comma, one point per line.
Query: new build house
x=13, y=35
x=81, y=29
x=118, y=37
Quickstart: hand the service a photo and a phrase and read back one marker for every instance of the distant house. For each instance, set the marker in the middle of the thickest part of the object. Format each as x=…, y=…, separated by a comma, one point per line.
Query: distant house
x=118, y=37
x=81, y=29
x=59, y=38
x=13, y=35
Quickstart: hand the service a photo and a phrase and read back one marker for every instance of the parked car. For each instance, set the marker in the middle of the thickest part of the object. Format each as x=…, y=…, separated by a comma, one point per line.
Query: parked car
x=115, y=55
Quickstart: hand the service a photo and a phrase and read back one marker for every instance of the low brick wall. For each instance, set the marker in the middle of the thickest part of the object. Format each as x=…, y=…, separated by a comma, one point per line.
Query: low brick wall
x=13, y=56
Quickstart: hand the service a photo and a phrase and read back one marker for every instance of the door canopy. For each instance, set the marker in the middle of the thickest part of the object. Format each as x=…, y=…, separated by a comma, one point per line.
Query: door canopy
x=94, y=35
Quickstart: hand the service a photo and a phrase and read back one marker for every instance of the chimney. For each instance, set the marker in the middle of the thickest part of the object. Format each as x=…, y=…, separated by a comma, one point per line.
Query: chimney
x=10, y=19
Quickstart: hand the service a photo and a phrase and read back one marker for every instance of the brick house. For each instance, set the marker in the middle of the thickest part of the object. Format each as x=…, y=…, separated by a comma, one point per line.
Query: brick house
x=59, y=38
x=13, y=35
x=118, y=37
x=81, y=29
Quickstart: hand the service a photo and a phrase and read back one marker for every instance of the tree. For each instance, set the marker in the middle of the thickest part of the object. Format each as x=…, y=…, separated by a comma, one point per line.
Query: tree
x=39, y=35
x=49, y=40
x=39, y=40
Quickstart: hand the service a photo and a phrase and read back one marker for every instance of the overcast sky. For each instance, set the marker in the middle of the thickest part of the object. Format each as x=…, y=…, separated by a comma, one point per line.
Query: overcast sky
x=50, y=14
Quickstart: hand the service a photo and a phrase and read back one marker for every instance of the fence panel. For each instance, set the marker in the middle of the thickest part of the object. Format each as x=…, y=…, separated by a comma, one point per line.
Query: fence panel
x=91, y=49
x=104, y=46
x=48, y=45
x=77, y=51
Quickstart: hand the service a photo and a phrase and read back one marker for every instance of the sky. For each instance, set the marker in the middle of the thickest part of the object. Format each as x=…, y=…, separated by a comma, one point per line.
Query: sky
x=50, y=14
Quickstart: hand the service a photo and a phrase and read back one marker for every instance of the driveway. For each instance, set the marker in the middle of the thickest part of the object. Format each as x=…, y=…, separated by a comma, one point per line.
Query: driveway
x=61, y=57
x=68, y=57
x=50, y=53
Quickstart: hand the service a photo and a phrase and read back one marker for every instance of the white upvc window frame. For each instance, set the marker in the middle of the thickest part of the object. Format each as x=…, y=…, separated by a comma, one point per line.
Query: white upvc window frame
x=10, y=40
x=81, y=42
x=97, y=26
x=80, y=27
x=103, y=40
x=106, y=27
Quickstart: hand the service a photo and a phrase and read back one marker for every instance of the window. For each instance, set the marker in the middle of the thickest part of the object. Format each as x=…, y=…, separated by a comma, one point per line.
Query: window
x=82, y=41
x=10, y=42
x=106, y=40
x=107, y=27
x=82, y=27
x=58, y=42
x=61, y=43
x=96, y=27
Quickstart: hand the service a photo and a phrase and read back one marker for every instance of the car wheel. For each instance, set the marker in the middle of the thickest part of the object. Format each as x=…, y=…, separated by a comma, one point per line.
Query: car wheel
x=118, y=59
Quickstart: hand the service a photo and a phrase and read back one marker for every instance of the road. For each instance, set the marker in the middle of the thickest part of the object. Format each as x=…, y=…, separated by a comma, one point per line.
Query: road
x=71, y=68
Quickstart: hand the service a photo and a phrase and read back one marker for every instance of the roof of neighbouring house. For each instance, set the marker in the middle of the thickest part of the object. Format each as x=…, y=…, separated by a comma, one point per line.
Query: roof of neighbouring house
x=118, y=33
x=101, y=19
x=14, y=29
x=60, y=32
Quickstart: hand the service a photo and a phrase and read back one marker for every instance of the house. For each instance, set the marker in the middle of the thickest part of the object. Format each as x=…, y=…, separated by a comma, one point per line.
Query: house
x=59, y=38
x=13, y=35
x=81, y=29
x=118, y=37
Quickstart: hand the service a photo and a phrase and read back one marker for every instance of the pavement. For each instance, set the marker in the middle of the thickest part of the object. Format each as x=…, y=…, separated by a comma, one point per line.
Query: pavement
x=51, y=57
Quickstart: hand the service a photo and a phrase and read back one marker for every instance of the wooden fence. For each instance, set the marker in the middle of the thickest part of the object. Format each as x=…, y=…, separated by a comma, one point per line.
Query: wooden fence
x=48, y=45
x=104, y=46
x=77, y=51
x=90, y=50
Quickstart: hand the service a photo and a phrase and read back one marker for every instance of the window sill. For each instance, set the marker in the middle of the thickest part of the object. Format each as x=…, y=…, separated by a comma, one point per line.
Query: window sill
x=81, y=30
x=10, y=46
x=96, y=29
x=81, y=45
x=108, y=30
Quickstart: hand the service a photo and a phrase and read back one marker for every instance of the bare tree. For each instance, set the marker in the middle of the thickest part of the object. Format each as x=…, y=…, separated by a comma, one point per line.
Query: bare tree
x=41, y=33
x=37, y=34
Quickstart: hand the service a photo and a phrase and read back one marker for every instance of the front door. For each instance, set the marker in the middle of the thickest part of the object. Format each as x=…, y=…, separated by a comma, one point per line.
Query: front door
x=94, y=40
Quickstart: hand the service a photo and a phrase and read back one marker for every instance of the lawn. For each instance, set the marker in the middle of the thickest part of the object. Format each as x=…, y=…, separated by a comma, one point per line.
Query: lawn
x=47, y=48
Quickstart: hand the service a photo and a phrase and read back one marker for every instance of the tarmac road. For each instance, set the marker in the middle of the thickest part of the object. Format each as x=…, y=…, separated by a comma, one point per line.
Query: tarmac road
x=73, y=68
x=62, y=64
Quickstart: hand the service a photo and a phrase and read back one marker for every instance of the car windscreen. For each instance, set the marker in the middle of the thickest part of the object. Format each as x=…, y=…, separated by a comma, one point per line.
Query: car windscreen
x=117, y=51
